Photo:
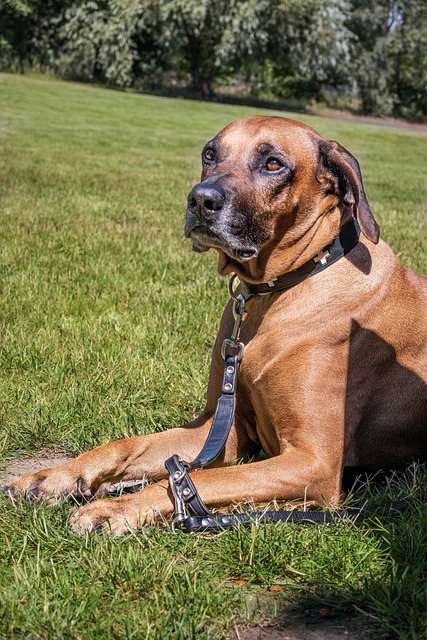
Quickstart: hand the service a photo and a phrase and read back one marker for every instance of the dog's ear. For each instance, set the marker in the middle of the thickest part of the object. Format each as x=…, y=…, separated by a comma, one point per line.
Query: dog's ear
x=339, y=171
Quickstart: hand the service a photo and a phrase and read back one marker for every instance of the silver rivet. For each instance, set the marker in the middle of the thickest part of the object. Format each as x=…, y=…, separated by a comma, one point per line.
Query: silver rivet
x=186, y=491
x=230, y=369
x=228, y=386
x=177, y=475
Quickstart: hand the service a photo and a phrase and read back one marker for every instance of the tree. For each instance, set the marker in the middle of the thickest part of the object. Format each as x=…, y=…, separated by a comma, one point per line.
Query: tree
x=213, y=37
x=391, y=56
x=310, y=46
x=93, y=40
x=411, y=62
x=23, y=28
x=119, y=41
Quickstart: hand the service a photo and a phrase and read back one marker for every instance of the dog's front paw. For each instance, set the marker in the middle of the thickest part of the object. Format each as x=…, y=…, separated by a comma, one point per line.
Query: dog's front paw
x=49, y=484
x=124, y=514
x=117, y=515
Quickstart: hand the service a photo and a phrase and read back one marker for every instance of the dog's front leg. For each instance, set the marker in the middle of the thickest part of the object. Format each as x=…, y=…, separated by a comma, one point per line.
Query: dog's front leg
x=291, y=476
x=128, y=459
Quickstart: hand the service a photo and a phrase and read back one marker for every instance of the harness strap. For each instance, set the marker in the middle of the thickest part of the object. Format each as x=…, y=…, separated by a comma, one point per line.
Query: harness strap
x=223, y=418
x=184, y=491
x=218, y=522
x=181, y=484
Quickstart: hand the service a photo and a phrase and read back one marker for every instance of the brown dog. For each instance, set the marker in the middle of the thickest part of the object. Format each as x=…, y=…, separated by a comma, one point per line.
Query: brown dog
x=335, y=368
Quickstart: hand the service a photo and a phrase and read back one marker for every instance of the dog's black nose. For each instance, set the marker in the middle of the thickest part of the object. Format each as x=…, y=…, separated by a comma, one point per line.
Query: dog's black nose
x=206, y=199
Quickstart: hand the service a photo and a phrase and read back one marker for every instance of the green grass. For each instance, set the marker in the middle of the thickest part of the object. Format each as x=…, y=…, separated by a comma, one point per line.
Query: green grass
x=107, y=322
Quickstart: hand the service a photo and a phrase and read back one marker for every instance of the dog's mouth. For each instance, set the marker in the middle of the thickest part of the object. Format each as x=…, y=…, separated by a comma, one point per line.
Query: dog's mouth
x=205, y=238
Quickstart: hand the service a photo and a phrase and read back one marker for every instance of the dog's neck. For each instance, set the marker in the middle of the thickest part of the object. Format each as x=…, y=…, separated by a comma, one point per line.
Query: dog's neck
x=345, y=240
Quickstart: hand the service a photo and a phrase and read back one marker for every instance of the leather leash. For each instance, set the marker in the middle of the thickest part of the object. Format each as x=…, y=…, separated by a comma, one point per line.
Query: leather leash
x=182, y=486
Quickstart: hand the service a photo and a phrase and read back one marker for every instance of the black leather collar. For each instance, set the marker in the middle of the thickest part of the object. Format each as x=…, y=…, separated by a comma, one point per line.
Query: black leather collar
x=344, y=241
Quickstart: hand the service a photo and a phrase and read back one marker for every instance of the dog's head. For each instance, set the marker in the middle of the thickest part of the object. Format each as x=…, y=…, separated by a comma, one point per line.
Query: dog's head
x=273, y=193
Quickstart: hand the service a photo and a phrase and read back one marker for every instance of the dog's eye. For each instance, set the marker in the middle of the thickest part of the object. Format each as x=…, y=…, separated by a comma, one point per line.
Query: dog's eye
x=273, y=164
x=209, y=155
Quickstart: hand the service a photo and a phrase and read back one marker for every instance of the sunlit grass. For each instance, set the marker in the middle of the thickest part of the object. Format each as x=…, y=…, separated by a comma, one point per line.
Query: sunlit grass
x=107, y=322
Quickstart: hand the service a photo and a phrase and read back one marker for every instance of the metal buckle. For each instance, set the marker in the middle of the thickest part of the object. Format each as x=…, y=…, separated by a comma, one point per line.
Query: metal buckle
x=180, y=511
x=177, y=521
x=234, y=344
x=239, y=313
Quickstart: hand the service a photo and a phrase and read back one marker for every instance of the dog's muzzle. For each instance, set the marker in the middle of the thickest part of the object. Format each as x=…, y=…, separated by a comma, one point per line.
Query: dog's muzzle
x=211, y=223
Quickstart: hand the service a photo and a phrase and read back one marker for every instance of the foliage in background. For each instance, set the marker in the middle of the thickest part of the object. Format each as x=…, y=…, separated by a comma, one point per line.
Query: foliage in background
x=309, y=47
x=391, y=56
x=215, y=39
x=24, y=31
x=375, y=53
x=95, y=42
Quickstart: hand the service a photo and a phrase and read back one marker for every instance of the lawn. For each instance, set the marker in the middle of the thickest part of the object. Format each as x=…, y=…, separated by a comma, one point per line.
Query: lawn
x=107, y=322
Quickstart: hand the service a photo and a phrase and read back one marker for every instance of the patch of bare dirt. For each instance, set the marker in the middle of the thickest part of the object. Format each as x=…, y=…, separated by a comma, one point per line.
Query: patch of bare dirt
x=300, y=629
x=291, y=622
x=10, y=469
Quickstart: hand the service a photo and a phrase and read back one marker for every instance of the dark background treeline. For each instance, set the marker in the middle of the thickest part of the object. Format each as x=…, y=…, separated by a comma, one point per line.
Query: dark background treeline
x=370, y=56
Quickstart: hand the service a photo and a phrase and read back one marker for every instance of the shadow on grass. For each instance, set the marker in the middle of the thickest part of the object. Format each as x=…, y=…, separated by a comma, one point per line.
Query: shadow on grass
x=293, y=105
x=390, y=605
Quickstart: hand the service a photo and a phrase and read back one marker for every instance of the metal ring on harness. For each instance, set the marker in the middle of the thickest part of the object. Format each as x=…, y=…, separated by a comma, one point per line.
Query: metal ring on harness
x=229, y=342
